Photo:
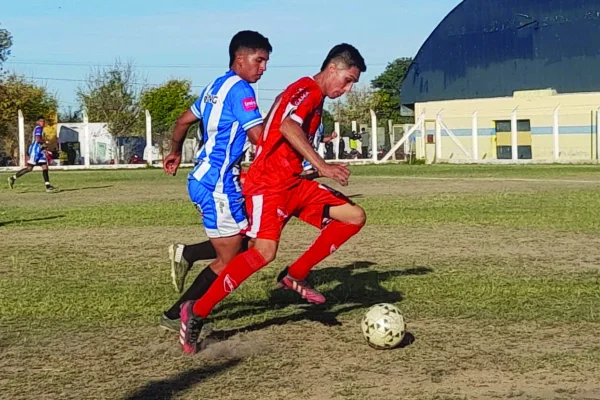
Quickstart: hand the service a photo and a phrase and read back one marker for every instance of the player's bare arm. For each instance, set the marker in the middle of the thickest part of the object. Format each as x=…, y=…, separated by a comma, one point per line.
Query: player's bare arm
x=172, y=161
x=254, y=133
x=294, y=134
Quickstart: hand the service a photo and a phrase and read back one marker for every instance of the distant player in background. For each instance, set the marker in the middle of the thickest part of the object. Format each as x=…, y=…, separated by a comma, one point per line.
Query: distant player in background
x=309, y=171
x=37, y=156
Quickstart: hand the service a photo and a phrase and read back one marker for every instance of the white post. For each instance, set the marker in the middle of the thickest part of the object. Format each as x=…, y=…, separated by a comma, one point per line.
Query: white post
x=391, y=135
x=404, y=139
x=555, y=146
x=354, y=126
x=438, y=136
x=455, y=139
x=475, y=138
x=86, y=137
x=598, y=134
x=513, y=135
x=373, y=136
x=423, y=136
x=148, y=149
x=336, y=141
x=21, y=122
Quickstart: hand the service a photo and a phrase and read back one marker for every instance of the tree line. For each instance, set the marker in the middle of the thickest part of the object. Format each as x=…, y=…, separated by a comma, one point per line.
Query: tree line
x=118, y=96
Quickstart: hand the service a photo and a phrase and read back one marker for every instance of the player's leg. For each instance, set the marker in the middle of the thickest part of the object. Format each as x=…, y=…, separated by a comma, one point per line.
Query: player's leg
x=31, y=162
x=225, y=250
x=183, y=257
x=337, y=217
x=20, y=173
x=44, y=164
x=265, y=227
x=224, y=218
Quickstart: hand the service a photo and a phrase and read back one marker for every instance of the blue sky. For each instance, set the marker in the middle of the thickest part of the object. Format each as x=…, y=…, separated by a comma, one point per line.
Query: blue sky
x=63, y=39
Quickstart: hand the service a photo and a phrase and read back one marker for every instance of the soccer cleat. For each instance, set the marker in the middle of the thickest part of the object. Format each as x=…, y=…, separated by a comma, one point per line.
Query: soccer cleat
x=11, y=182
x=169, y=324
x=179, y=266
x=191, y=327
x=50, y=189
x=304, y=290
x=174, y=325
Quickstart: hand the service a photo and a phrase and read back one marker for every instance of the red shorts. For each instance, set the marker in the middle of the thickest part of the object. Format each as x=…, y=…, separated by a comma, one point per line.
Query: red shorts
x=268, y=213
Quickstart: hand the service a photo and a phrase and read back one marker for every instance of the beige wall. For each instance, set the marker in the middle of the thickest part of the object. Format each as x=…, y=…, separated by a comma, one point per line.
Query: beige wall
x=577, y=114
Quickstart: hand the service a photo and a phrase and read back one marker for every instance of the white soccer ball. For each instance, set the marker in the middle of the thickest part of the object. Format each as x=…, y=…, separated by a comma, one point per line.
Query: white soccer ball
x=383, y=326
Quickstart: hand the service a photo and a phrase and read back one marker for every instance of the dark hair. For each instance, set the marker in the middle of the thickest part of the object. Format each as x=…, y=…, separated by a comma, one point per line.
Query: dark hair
x=40, y=117
x=347, y=54
x=247, y=40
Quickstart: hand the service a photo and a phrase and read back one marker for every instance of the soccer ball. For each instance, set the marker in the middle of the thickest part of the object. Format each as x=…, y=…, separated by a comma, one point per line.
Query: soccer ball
x=383, y=326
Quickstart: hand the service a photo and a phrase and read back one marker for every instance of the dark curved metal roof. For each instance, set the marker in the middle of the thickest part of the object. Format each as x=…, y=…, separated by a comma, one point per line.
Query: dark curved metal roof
x=491, y=48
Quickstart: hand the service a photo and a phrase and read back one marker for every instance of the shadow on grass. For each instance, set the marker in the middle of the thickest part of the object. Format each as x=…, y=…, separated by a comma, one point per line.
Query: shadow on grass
x=84, y=188
x=169, y=388
x=358, y=287
x=24, y=221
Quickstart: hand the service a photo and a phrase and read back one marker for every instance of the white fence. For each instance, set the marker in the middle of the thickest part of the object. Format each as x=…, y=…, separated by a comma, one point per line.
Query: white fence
x=445, y=143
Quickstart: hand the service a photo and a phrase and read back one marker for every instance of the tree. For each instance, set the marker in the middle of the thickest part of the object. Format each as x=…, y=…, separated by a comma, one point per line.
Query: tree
x=69, y=115
x=355, y=107
x=5, y=44
x=16, y=93
x=328, y=122
x=387, y=85
x=165, y=104
x=112, y=95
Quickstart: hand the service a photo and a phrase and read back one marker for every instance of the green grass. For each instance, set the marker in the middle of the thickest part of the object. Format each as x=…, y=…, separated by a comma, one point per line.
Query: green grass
x=88, y=265
x=75, y=292
x=478, y=171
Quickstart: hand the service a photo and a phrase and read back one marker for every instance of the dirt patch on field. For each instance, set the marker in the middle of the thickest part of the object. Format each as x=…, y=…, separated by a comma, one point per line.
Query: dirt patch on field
x=308, y=360
x=446, y=245
x=415, y=186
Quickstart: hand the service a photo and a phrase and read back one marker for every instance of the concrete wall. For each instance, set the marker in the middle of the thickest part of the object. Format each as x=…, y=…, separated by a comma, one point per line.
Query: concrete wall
x=577, y=124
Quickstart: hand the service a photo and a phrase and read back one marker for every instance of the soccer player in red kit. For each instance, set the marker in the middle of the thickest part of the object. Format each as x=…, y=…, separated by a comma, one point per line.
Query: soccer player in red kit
x=274, y=191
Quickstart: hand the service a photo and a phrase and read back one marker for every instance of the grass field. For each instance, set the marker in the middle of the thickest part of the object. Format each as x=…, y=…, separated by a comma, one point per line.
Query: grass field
x=495, y=268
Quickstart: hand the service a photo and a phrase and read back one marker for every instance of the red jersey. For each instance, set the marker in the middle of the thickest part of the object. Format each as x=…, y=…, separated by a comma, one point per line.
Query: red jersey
x=277, y=166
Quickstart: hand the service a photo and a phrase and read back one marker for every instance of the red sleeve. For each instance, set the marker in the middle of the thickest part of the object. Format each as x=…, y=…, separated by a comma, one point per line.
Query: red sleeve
x=303, y=103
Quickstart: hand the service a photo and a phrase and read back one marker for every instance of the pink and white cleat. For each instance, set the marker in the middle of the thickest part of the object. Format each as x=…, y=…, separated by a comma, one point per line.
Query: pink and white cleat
x=304, y=290
x=191, y=326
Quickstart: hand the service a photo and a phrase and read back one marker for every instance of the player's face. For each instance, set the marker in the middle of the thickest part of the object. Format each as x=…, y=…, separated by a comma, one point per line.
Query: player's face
x=41, y=122
x=253, y=64
x=341, y=80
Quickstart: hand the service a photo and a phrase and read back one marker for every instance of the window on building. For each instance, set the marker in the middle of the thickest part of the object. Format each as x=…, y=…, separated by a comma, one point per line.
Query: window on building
x=523, y=125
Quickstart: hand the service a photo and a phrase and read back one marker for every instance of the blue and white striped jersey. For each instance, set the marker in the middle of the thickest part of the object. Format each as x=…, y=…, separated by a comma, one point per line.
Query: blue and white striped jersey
x=37, y=131
x=227, y=108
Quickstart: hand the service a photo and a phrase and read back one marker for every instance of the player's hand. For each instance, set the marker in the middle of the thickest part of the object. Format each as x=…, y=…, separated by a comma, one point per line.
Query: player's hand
x=333, y=135
x=171, y=163
x=338, y=172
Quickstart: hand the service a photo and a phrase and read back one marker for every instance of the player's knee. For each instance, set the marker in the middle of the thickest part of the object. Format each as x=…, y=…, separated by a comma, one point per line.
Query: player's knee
x=357, y=216
x=268, y=254
x=267, y=251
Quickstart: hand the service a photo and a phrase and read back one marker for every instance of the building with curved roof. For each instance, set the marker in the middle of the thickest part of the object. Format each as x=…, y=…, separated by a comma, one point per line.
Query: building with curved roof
x=493, y=58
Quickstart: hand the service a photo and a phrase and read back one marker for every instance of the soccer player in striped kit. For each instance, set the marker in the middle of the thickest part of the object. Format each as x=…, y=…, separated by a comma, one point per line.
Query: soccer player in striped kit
x=37, y=156
x=229, y=113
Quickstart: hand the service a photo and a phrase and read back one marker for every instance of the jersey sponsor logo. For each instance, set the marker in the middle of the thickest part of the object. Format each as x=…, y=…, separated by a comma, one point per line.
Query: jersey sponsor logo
x=210, y=98
x=299, y=97
x=249, y=104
